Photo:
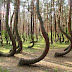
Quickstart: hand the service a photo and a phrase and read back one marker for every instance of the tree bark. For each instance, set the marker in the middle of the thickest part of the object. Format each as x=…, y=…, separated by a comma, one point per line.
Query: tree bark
x=10, y=34
x=64, y=53
x=16, y=29
x=45, y=35
x=51, y=23
x=70, y=38
x=32, y=25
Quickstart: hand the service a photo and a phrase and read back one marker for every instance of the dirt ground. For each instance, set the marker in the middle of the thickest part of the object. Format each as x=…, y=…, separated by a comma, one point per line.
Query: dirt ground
x=48, y=64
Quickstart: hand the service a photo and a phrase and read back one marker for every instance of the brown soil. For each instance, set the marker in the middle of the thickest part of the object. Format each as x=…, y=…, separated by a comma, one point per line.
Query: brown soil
x=48, y=64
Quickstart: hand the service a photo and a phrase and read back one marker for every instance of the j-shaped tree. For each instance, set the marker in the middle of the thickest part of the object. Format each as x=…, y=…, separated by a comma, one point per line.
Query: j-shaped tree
x=69, y=29
x=16, y=33
x=17, y=3
x=45, y=35
x=9, y=33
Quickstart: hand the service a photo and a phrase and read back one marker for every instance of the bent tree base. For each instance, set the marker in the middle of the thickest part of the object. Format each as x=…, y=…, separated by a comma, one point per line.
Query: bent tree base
x=32, y=45
x=10, y=35
x=57, y=54
x=64, y=53
x=45, y=35
x=67, y=48
x=32, y=41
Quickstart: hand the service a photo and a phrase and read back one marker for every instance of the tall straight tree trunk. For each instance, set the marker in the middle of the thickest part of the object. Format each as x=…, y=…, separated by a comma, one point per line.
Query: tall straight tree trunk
x=28, y=27
x=11, y=21
x=36, y=25
x=62, y=24
x=17, y=3
x=23, y=25
x=66, y=22
x=0, y=32
x=51, y=23
x=33, y=16
x=32, y=25
x=55, y=26
x=47, y=18
x=0, y=27
x=54, y=20
x=0, y=24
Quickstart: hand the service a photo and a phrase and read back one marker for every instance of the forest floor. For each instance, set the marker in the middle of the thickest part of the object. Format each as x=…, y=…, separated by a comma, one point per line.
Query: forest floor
x=48, y=64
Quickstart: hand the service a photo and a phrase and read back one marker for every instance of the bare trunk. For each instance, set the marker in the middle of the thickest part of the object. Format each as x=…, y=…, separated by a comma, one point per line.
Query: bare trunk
x=16, y=29
x=51, y=24
x=32, y=26
x=70, y=38
x=10, y=34
x=45, y=35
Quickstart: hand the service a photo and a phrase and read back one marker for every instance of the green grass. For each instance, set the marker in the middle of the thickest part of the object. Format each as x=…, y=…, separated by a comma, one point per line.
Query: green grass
x=58, y=45
x=5, y=70
x=40, y=45
x=55, y=69
x=45, y=71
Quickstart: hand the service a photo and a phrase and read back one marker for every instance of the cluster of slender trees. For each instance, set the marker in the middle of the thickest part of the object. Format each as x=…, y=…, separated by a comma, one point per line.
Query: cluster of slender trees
x=15, y=37
x=28, y=24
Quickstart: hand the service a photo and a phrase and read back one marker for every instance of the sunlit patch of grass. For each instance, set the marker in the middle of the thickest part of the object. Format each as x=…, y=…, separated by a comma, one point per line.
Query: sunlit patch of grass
x=4, y=50
x=40, y=45
x=29, y=50
x=58, y=45
x=55, y=69
x=45, y=71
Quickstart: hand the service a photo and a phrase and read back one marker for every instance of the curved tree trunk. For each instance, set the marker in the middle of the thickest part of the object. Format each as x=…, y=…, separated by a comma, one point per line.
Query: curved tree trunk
x=11, y=21
x=57, y=54
x=16, y=22
x=67, y=48
x=10, y=34
x=62, y=38
x=70, y=38
x=45, y=35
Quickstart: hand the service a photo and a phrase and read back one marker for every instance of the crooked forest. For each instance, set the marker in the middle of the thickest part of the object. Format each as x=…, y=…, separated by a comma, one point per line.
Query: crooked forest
x=35, y=35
